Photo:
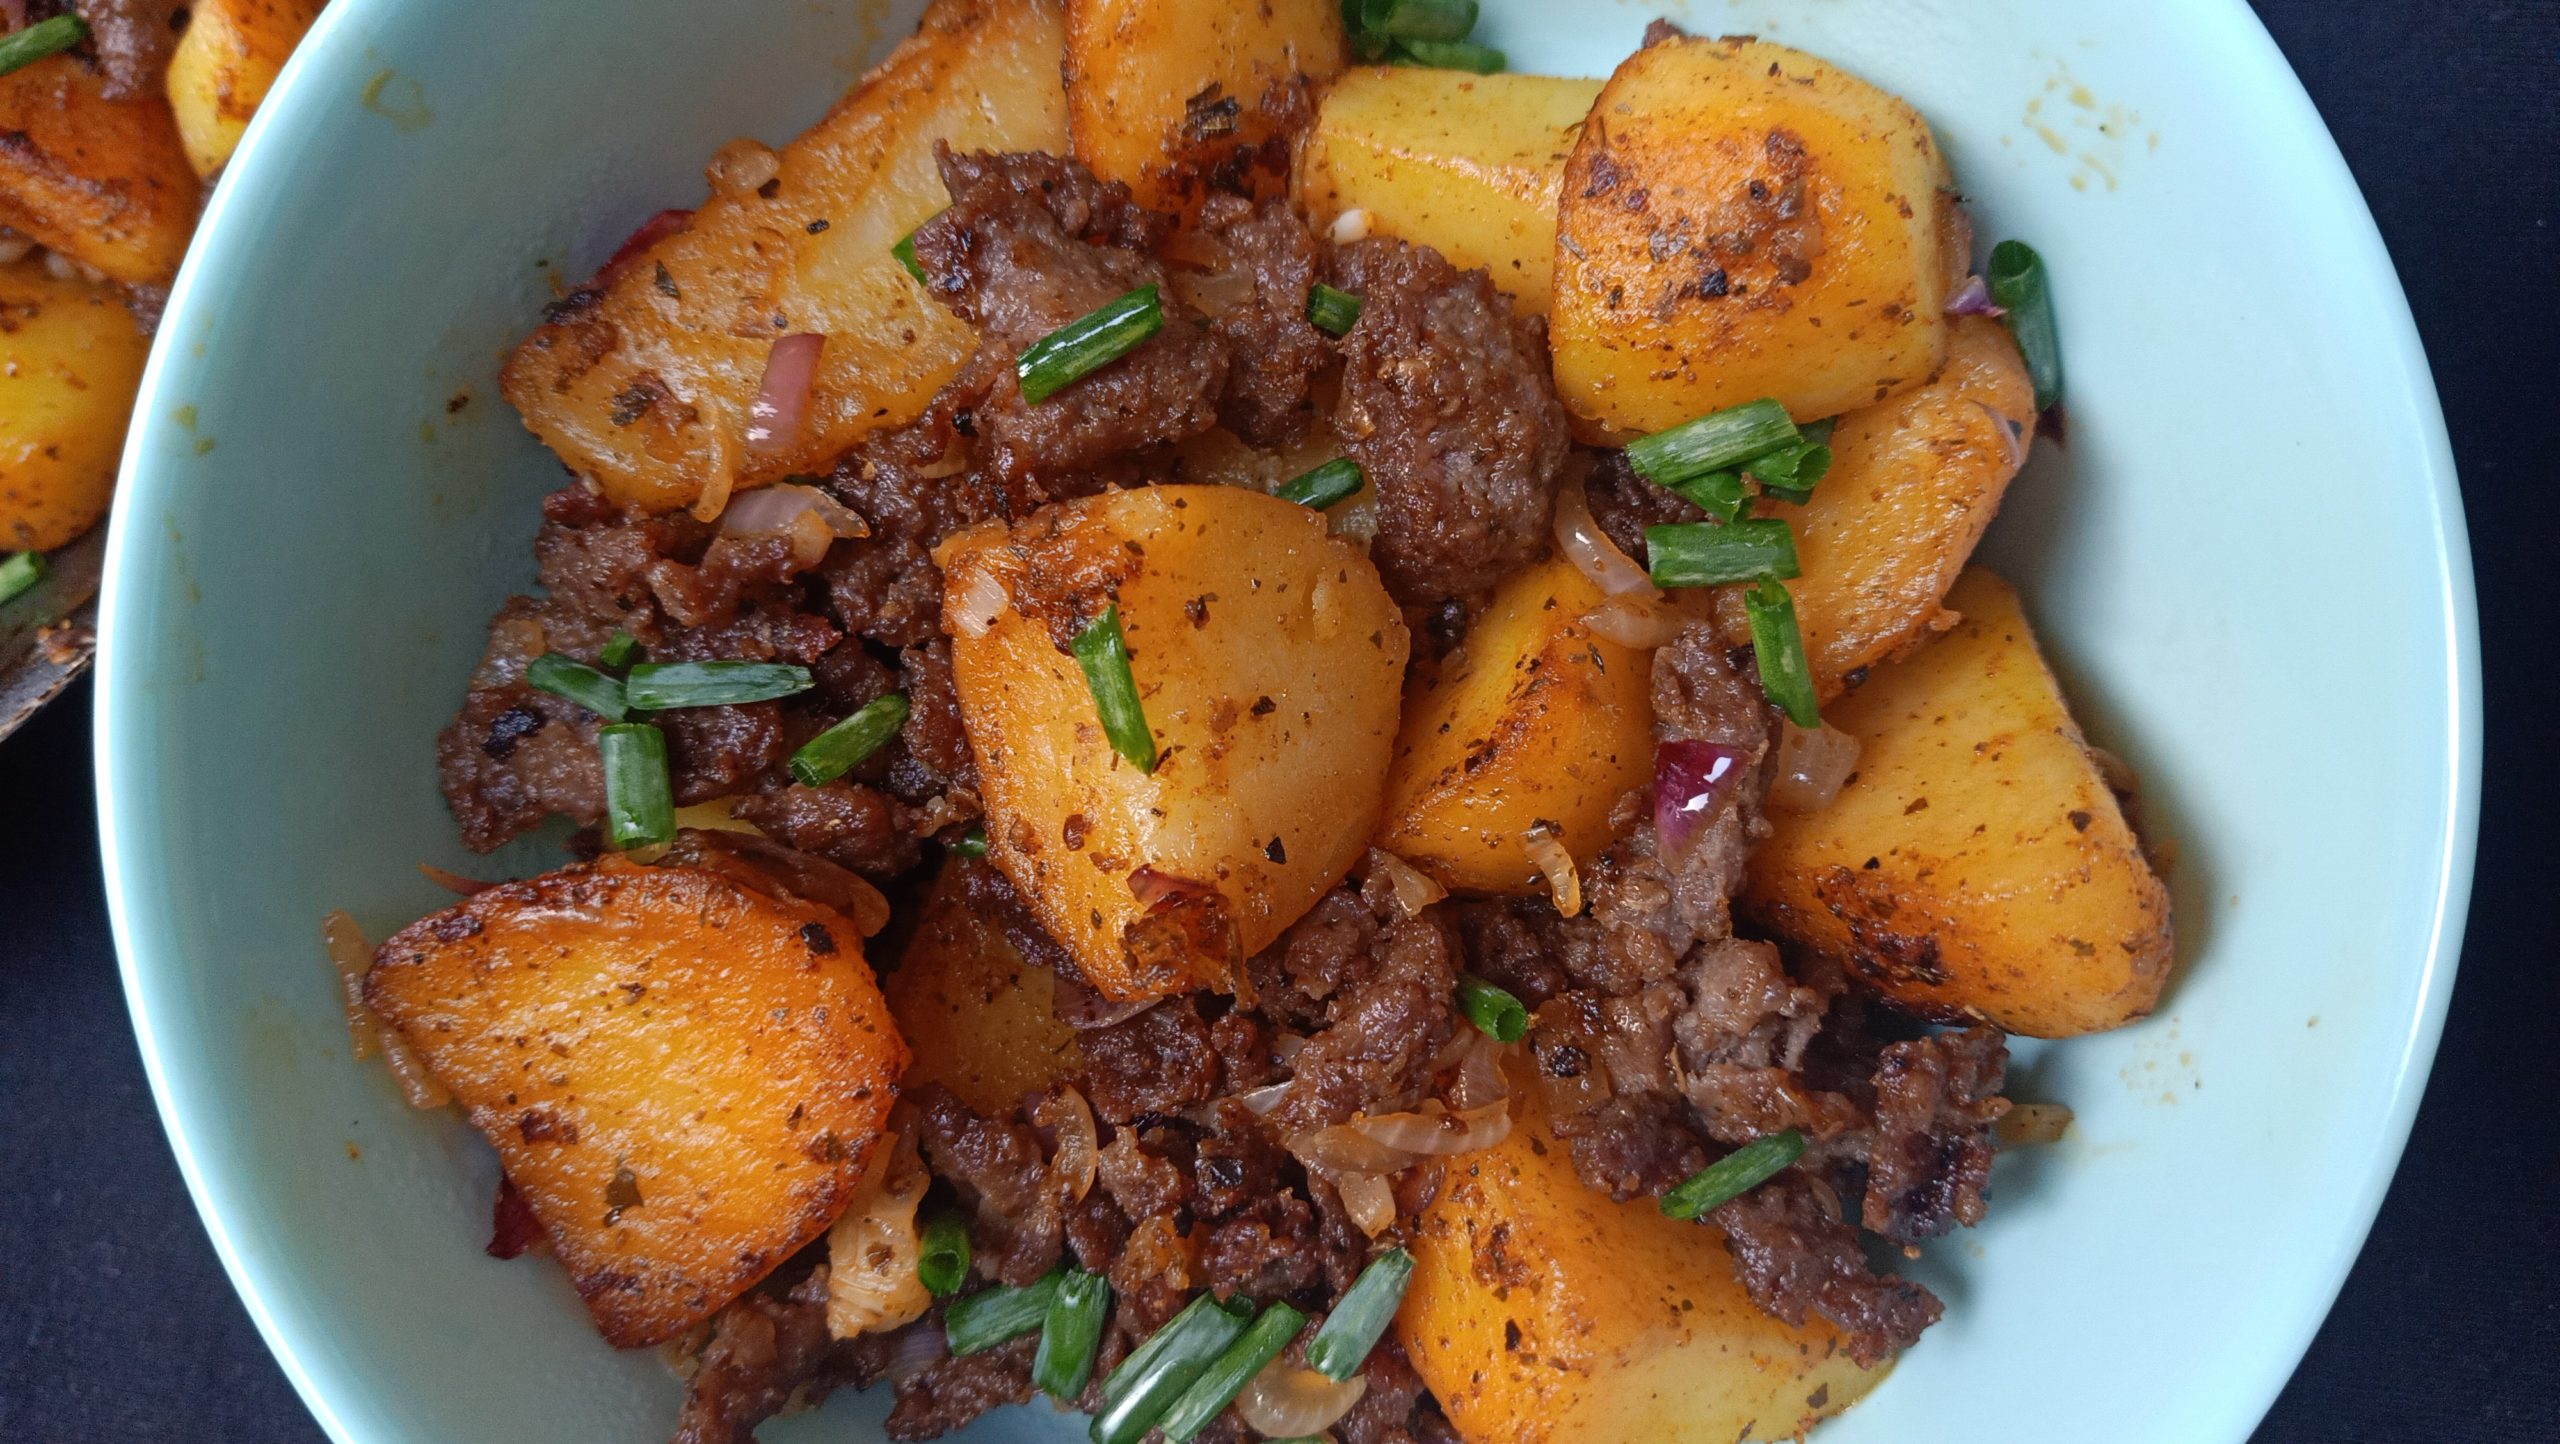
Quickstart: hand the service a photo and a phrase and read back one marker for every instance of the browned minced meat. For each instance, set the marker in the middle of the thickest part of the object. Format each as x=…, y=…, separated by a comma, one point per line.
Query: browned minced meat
x=1269, y=398
x=764, y=1348
x=1624, y=504
x=133, y=39
x=1380, y=985
x=950, y=1393
x=1448, y=405
x=1161, y=1061
x=1002, y=1175
x=1796, y=1256
x=1936, y=1100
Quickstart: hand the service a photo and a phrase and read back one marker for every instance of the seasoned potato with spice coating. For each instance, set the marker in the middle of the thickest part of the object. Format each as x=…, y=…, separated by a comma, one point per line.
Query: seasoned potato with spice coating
x=644, y=379
x=1976, y=866
x=1469, y=165
x=1268, y=657
x=70, y=358
x=1743, y=220
x=1537, y=719
x=1541, y=1312
x=980, y=1018
x=104, y=182
x=683, y=1076
x=1915, y=481
x=230, y=54
x=1175, y=98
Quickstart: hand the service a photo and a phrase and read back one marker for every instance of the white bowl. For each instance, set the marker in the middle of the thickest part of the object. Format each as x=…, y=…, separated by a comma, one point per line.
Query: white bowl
x=2249, y=563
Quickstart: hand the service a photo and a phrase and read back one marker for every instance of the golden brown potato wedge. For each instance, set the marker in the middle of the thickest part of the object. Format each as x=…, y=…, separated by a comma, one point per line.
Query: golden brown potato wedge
x=1542, y=1313
x=1268, y=656
x=224, y=63
x=105, y=182
x=1914, y=482
x=644, y=381
x=70, y=358
x=1976, y=865
x=1742, y=220
x=981, y=1020
x=1469, y=165
x=1174, y=97
x=682, y=1075
x=1537, y=719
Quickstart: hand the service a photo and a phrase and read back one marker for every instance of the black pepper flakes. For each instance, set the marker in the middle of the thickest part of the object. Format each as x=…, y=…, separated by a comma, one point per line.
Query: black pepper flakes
x=821, y=942
x=1274, y=851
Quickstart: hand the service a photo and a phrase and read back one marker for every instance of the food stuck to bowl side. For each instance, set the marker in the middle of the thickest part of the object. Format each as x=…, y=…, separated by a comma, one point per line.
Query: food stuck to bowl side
x=1287, y=750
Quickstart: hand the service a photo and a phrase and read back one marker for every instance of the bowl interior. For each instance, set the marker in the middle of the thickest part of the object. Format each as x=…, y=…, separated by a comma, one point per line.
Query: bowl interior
x=2248, y=563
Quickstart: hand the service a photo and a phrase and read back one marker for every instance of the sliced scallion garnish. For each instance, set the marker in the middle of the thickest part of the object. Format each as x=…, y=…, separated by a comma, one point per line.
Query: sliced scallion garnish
x=1720, y=494
x=1157, y=1372
x=1419, y=19
x=639, y=801
x=619, y=652
x=1718, y=441
x=1104, y=654
x=1464, y=55
x=970, y=843
x=45, y=37
x=1360, y=1320
x=1071, y=1334
x=905, y=250
x=841, y=748
x=1789, y=472
x=1331, y=311
x=1734, y=1175
x=1710, y=554
x=1226, y=1376
x=19, y=574
x=1328, y=485
x=1081, y=347
x=659, y=686
x=1496, y=1012
x=988, y=1318
x=942, y=1255
x=567, y=677
x=1778, y=646
x=2020, y=287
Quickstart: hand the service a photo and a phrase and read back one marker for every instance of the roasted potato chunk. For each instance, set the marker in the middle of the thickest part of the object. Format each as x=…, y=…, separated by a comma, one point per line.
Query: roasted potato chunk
x=1976, y=866
x=981, y=1020
x=1542, y=1313
x=103, y=181
x=1742, y=220
x=228, y=57
x=1174, y=98
x=70, y=358
x=1469, y=165
x=1268, y=656
x=1915, y=481
x=682, y=1075
x=644, y=380
x=1538, y=719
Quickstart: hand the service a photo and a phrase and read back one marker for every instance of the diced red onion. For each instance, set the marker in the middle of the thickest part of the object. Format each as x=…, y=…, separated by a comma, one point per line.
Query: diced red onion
x=1692, y=781
x=1973, y=298
x=780, y=413
x=920, y=1346
x=1082, y=1008
x=653, y=230
x=1635, y=621
x=1291, y=1401
x=2012, y=435
x=1547, y=850
x=1813, y=764
x=1589, y=548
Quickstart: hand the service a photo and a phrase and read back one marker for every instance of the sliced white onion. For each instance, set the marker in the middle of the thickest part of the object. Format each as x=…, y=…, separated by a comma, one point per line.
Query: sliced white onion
x=453, y=882
x=744, y=164
x=976, y=602
x=1414, y=888
x=14, y=247
x=1479, y=1079
x=1635, y=621
x=1589, y=548
x=873, y=1251
x=1432, y=1131
x=1260, y=1101
x=1546, y=849
x=1352, y=225
x=2032, y=1123
x=1291, y=1401
x=777, y=510
x=351, y=955
x=1079, y=1155
x=416, y=1084
x=1813, y=765
x=1369, y=1200
x=780, y=413
x=64, y=268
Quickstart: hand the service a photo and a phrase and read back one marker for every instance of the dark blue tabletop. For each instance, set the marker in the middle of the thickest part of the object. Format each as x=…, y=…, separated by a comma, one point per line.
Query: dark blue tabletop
x=117, y=1324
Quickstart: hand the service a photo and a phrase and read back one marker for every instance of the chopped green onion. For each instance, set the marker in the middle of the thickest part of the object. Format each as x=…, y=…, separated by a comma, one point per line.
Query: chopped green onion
x=841, y=748
x=1227, y=1375
x=1419, y=19
x=1334, y=482
x=659, y=686
x=1720, y=494
x=1071, y=1334
x=1778, y=645
x=620, y=651
x=1081, y=347
x=905, y=249
x=639, y=802
x=983, y=1320
x=1464, y=55
x=1332, y=311
x=567, y=677
x=1104, y=655
x=1494, y=1010
x=942, y=1257
x=1789, y=472
x=45, y=37
x=1360, y=1320
x=1706, y=554
x=1157, y=1372
x=1734, y=1175
x=2019, y=287
x=1719, y=441
x=972, y=843
x=19, y=574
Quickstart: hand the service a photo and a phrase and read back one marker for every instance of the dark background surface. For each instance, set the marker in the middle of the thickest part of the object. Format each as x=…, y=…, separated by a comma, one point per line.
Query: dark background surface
x=117, y=1324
